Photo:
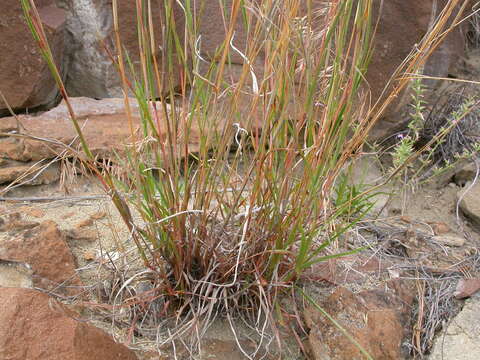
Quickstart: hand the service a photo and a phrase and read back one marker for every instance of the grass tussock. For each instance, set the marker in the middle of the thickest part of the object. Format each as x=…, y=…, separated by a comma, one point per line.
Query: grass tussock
x=237, y=179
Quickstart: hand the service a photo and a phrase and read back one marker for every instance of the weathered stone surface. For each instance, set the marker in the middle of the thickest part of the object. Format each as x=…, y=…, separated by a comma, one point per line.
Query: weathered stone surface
x=350, y=269
x=465, y=174
x=377, y=319
x=225, y=350
x=90, y=37
x=440, y=228
x=88, y=235
x=402, y=25
x=470, y=203
x=104, y=124
x=459, y=341
x=25, y=79
x=13, y=222
x=92, y=74
x=449, y=240
x=31, y=173
x=467, y=287
x=34, y=326
x=15, y=274
x=89, y=23
x=44, y=248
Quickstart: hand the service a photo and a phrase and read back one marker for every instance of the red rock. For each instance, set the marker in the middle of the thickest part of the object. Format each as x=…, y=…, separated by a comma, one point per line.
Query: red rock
x=31, y=173
x=440, y=228
x=98, y=215
x=347, y=269
x=467, y=287
x=14, y=222
x=32, y=211
x=377, y=319
x=25, y=79
x=84, y=223
x=34, y=326
x=402, y=25
x=44, y=248
x=104, y=123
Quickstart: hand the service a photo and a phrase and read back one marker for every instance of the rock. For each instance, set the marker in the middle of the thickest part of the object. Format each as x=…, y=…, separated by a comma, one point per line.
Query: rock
x=25, y=79
x=366, y=172
x=226, y=350
x=377, y=319
x=68, y=215
x=14, y=222
x=465, y=174
x=44, y=248
x=34, y=326
x=84, y=223
x=81, y=234
x=440, y=228
x=393, y=46
x=91, y=73
x=104, y=124
x=90, y=34
x=470, y=204
x=459, y=341
x=449, y=240
x=31, y=173
x=89, y=255
x=32, y=211
x=352, y=269
x=15, y=274
x=89, y=221
x=98, y=215
x=467, y=287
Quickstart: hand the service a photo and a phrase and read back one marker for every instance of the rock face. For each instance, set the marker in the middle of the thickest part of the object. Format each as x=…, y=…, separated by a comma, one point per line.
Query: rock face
x=459, y=340
x=376, y=319
x=93, y=74
x=470, y=204
x=44, y=249
x=31, y=173
x=402, y=25
x=89, y=26
x=33, y=326
x=465, y=174
x=104, y=124
x=25, y=79
x=15, y=274
x=90, y=37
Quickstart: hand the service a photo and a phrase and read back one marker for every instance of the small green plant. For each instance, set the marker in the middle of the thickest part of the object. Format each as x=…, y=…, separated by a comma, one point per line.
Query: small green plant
x=348, y=198
x=403, y=150
x=418, y=107
x=446, y=134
